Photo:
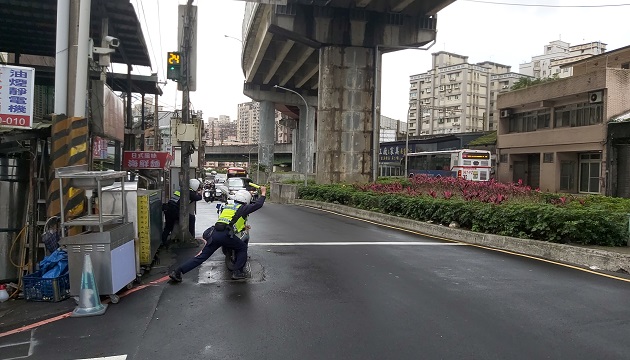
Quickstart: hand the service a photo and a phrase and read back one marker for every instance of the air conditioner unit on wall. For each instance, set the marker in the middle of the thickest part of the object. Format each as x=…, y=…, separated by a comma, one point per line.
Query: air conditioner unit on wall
x=506, y=113
x=596, y=97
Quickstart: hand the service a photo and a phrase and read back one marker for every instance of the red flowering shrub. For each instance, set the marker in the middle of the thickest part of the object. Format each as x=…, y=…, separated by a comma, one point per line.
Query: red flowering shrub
x=490, y=207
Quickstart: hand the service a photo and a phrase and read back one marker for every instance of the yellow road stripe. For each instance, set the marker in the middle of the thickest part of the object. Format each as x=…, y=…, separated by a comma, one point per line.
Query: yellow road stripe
x=475, y=245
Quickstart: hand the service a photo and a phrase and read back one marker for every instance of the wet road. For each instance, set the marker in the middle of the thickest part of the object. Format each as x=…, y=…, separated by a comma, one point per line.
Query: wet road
x=316, y=295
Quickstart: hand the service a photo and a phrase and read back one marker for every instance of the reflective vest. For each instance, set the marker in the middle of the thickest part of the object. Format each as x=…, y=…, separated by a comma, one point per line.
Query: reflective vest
x=228, y=213
x=174, y=200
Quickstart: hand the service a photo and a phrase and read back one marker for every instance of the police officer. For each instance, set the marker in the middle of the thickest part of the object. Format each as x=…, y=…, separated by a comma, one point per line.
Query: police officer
x=171, y=211
x=232, y=220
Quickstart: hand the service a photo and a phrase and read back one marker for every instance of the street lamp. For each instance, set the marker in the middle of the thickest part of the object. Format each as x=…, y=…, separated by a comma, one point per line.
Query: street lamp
x=232, y=37
x=308, y=150
x=249, y=162
x=407, y=150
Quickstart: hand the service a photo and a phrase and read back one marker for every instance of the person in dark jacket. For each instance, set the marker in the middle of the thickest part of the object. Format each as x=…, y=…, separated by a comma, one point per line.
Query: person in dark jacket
x=231, y=222
x=171, y=211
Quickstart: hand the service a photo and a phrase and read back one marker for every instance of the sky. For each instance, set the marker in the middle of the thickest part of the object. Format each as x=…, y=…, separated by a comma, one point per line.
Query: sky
x=482, y=30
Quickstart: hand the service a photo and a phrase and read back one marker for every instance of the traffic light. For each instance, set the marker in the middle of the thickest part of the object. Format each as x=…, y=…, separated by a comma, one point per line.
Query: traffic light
x=173, y=65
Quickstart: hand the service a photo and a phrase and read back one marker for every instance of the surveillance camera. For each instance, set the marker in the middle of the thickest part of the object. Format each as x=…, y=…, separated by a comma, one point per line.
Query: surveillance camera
x=112, y=41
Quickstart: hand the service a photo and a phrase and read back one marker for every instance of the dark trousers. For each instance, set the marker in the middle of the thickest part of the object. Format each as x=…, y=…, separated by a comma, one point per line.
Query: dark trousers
x=218, y=239
x=171, y=218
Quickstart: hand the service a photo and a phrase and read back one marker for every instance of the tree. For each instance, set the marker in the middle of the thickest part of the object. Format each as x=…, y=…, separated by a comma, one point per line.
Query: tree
x=526, y=82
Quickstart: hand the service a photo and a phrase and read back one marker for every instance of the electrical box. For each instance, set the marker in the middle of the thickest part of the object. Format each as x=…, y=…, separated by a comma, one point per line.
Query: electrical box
x=186, y=132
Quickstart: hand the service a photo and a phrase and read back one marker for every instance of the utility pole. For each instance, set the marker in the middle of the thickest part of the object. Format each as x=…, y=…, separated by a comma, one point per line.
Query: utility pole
x=185, y=153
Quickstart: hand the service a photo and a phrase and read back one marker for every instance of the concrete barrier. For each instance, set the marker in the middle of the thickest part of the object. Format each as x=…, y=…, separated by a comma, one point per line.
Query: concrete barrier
x=607, y=260
x=283, y=193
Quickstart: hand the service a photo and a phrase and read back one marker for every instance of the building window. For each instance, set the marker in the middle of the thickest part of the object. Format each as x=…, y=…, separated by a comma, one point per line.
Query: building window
x=590, y=170
x=529, y=121
x=583, y=114
x=567, y=175
x=548, y=157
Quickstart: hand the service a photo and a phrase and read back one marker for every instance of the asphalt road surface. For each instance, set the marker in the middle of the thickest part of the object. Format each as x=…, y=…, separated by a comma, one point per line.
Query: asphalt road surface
x=325, y=286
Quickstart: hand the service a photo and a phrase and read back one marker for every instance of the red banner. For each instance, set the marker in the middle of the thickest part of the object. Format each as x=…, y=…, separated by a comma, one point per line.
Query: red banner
x=146, y=160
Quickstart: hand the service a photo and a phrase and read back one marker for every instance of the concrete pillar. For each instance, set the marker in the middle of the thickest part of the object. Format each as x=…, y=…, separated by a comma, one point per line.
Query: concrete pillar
x=307, y=138
x=345, y=115
x=267, y=136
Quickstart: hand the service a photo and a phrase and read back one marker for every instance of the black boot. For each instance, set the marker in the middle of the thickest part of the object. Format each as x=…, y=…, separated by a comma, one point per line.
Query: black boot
x=176, y=275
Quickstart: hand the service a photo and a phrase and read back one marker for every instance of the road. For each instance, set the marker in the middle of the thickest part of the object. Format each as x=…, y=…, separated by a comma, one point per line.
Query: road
x=325, y=286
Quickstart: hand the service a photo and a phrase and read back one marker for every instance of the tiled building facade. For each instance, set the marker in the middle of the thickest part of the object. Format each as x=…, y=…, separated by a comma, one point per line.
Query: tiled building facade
x=556, y=135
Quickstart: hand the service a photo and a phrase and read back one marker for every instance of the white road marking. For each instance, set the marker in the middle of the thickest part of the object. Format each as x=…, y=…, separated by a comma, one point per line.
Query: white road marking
x=408, y=243
x=32, y=342
x=15, y=344
x=118, y=357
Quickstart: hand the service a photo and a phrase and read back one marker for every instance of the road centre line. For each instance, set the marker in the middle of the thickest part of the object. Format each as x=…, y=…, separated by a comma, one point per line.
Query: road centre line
x=119, y=357
x=350, y=243
x=473, y=245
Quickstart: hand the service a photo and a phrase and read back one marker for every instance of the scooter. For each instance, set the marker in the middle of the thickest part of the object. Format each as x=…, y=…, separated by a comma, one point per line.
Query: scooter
x=208, y=195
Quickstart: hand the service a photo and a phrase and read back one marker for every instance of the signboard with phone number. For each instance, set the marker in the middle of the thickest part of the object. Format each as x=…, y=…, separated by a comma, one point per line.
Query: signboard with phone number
x=17, y=87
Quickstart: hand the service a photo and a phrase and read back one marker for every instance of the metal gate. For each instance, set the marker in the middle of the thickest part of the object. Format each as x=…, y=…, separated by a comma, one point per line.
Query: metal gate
x=623, y=171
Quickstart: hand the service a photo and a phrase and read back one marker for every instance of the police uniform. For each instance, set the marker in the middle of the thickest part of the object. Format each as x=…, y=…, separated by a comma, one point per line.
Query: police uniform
x=171, y=214
x=225, y=232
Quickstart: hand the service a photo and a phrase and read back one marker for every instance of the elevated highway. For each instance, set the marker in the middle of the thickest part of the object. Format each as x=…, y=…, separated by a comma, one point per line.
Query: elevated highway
x=227, y=153
x=329, y=52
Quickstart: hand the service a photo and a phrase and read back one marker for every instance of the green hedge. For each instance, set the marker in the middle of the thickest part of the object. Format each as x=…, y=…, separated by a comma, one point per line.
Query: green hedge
x=586, y=225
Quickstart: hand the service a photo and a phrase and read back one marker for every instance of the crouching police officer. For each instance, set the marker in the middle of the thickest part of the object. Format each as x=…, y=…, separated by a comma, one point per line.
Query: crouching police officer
x=232, y=220
x=171, y=210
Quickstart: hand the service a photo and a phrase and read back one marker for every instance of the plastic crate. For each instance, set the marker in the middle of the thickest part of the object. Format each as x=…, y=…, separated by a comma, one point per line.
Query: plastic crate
x=52, y=290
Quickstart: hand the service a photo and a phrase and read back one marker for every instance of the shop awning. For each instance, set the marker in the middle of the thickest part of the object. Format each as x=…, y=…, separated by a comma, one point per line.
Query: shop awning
x=29, y=27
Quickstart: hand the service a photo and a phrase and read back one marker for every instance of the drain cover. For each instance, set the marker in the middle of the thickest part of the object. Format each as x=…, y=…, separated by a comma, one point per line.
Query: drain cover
x=212, y=272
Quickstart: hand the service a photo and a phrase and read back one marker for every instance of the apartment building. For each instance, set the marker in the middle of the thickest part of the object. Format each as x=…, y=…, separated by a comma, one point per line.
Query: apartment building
x=452, y=97
x=220, y=131
x=570, y=135
x=499, y=84
x=248, y=123
x=556, y=55
x=284, y=133
x=391, y=129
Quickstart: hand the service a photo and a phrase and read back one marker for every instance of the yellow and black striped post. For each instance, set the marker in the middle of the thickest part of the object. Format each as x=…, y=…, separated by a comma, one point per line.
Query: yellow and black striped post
x=69, y=146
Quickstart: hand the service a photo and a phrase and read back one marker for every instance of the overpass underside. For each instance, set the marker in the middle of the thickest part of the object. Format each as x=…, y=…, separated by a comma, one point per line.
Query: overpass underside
x=329, y=51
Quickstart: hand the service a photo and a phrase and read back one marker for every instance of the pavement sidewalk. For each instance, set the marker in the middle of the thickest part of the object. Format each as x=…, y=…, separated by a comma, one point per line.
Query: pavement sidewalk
x=19, y=312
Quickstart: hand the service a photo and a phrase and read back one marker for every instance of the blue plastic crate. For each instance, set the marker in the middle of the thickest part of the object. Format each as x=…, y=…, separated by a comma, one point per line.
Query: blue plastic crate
x=52, y=290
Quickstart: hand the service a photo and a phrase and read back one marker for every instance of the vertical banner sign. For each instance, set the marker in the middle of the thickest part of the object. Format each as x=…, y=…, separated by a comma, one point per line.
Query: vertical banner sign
x=17, y=89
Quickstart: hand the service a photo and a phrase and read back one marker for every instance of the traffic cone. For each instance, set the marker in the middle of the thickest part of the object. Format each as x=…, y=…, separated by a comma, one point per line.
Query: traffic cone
x=89, y=300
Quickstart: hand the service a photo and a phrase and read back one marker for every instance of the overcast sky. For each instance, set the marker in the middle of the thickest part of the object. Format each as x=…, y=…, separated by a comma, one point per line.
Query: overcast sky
x=505, y=34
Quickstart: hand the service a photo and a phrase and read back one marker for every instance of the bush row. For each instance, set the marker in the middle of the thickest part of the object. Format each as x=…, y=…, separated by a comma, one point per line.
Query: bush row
x=539, y=221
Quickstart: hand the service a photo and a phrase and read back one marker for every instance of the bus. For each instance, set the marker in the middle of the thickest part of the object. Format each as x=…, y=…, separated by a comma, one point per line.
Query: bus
x=236, y=172
x=475, y=165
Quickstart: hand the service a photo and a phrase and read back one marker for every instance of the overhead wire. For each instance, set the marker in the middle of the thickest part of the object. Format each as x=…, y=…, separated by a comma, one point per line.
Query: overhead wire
x=160, y=33
x=141, y=6
x=546, y=5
